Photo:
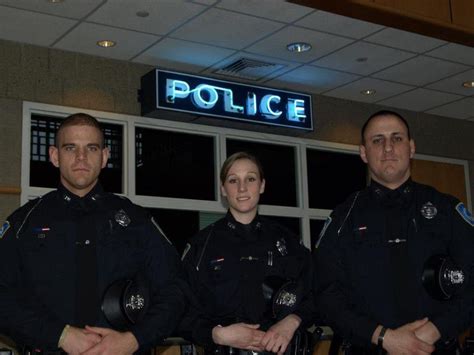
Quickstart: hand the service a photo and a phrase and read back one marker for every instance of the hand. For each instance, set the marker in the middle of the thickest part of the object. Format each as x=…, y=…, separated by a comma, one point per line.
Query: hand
x=404, y=341
x=428, y=333
x=279, y=335
x=113, y=342
x=239, y=335
x=78, y=340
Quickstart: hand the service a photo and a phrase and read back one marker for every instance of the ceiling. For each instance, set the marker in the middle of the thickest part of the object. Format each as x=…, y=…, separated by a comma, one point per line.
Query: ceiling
x=406, y=70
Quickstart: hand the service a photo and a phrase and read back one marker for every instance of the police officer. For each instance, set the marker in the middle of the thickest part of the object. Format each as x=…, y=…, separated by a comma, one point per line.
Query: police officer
x=232, y=262
x=372, y=252
x=61, y=252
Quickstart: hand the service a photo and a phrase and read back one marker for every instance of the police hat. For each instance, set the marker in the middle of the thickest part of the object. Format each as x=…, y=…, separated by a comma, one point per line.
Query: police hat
x=124, y=303
x=281, y=296
x=441, y=277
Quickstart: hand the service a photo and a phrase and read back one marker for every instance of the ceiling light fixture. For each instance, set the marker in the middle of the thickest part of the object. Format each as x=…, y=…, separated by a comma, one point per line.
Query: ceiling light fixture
x=368, y=92
x=299, y=47
x=55, y=1
x=468, y=84
x=105, y=43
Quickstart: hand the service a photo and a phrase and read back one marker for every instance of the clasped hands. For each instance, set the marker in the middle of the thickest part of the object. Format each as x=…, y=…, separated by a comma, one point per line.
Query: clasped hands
x=98, y=341
x=250, y=337
x=415, y=338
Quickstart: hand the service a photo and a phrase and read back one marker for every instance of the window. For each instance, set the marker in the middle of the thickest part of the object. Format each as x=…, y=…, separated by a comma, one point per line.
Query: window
x=332, y=177
x=173, y=164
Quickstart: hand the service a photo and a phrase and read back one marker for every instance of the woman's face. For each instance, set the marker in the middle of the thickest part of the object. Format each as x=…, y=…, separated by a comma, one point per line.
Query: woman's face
x=242, y=188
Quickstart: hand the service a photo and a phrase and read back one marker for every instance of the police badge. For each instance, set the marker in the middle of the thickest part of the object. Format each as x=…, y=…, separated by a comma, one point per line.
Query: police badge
x=122, y=218
x=428, y=210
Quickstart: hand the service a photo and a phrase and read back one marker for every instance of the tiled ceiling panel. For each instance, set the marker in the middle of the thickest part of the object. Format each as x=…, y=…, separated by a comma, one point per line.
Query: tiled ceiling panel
x=83, y=39
x=420, y=100
x=363, y=58
x=276, y=44
x=314, y=80
x=172, y=53
x=277, y=10
x=42, y=30
x=71, y=9
x=226, y=29
x=408, y=41
x=163, y=16
x=381, y=90
x=337, y=24
x=462, y=109
x=454, y=84
x=420, y=71
x=454, y=52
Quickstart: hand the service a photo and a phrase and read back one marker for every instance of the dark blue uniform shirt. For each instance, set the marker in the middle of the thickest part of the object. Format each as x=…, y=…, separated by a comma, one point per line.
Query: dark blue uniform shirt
x=371, y=256
x=226, y=264
x=59, y=253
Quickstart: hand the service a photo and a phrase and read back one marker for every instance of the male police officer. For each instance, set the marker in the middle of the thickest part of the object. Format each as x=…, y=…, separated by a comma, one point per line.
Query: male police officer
x=372, y=251
x=61, y=252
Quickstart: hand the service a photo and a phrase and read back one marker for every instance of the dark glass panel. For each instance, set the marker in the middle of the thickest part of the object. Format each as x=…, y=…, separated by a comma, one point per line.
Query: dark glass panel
x=332, y=177
x=172, y=164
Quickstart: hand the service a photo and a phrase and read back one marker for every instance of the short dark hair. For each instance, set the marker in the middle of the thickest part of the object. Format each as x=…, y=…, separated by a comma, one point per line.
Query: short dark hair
x=80, y=119
x=238, y=156
x=380, y=114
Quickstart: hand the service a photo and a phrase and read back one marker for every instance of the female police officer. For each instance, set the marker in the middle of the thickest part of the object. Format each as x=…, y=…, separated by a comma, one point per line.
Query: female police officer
x=236, y=266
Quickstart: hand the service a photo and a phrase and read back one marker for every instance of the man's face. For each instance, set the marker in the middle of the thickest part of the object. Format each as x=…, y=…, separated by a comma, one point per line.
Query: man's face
x=79, y=157
x=387, y=151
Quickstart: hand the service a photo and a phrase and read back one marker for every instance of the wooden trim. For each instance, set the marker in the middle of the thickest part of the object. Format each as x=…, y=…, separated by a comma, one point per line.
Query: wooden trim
x=10, y=190
x=376, y=13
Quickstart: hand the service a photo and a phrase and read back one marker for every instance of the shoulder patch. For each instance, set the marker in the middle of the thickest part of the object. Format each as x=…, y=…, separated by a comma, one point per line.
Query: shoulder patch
x=465, y=214
x=3, y=229
x=323, y=231
x=160, y=230
x=186, y=249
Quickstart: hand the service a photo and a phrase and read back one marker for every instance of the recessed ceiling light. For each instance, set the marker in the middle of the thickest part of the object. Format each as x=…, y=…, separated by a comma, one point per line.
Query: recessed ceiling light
x=368, y=92
x=142, y=13
x=105, y=43
x=55, y=1
x=468, y=84
x=299, y=47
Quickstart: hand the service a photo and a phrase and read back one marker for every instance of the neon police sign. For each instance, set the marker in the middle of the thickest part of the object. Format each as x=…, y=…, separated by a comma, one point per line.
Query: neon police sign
x=223, y=99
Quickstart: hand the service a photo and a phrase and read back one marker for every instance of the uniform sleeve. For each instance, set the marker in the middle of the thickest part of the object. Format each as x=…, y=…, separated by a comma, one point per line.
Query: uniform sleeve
x=197, y=324
x=25, y=319
x=167, y=302
x=457, y=315
x=333, y=290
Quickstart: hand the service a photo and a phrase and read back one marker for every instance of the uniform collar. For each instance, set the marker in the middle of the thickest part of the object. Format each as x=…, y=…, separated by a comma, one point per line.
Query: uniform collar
x=399, y=195
x=232, y=223
x=72, y=199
